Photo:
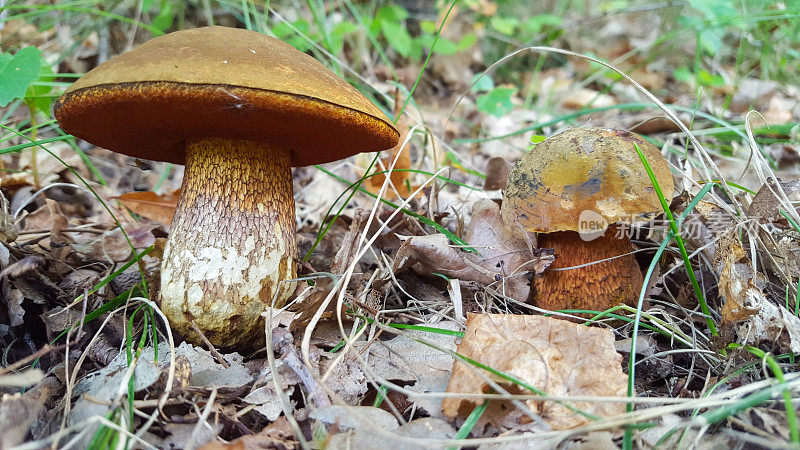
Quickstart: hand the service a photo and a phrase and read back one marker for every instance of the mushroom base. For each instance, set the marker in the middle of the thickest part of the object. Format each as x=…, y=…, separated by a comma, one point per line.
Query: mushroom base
x=594, y=287
x=232, y=242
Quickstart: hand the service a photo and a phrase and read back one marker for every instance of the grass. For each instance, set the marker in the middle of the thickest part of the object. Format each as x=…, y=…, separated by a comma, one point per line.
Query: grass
x=750, y=58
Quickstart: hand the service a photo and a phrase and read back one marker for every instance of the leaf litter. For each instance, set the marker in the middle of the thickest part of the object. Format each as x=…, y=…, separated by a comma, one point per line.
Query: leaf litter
x=374, y=385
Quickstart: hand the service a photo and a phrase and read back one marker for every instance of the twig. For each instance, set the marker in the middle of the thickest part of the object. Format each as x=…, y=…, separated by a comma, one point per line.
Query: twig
x=211, y=347
x=47, y=348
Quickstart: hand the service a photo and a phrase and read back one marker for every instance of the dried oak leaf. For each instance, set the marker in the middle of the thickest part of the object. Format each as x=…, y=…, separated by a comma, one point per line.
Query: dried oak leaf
x=556, y=356
x=160, y=208
x=505, y=259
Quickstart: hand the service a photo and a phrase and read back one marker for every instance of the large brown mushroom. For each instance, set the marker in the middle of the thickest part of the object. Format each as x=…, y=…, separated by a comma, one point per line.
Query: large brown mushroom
x=239, y=109
x=568, y=189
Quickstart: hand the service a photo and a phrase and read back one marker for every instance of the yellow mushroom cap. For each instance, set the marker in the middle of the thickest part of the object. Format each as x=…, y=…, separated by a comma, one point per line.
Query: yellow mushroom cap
x=218, y=82
x=591, y=171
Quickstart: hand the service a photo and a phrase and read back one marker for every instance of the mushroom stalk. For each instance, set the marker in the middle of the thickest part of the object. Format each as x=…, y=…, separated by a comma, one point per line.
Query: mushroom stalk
x=595, y=286
x=232, y=241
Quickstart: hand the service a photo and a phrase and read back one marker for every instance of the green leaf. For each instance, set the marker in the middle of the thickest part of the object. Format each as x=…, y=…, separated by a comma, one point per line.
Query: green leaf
x=397, y=37
x=17, y=72
x=484, y=84
x=444, y=46
x=536, y=138
x=708, y=79
x=537, y=23
x=36, y=96
x=467, y=41
x=339, y=31
x=428, y=26
x=497, y=102
x=284, y=32
x=683, y=75
x=163, y=21
x=504, y=25
x=391, y=13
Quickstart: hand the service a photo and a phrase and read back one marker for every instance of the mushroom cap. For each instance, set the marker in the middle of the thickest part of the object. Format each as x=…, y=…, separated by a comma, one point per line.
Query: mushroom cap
x=584, y=174
x=219, y=82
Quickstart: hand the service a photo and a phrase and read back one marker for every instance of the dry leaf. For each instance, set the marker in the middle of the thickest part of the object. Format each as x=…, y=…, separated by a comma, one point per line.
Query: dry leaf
x=497, y=170
x=112, y=245
x=505, y=260
x=18, y=412
x=765, y=206
x=736, y=284
x=556, y=356
x=353, y=417
x=367, y=438
x=160, y=208
x=48, y=166
x=405, y=358
x=583, y=97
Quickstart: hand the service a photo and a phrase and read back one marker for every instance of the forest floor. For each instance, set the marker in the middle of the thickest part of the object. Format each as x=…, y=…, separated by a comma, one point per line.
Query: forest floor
x=397, y=334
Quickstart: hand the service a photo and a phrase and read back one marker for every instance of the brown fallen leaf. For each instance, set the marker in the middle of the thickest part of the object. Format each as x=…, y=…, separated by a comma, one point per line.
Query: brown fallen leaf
x=736, y=281
x=160, y=208
x=497, y=170
x=556, y=356
x=765, y=206
x=506, y=256
x=113, y=245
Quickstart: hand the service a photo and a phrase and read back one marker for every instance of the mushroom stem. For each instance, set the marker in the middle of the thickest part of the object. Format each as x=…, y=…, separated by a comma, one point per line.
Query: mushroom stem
x=595, y=287
x=232, y=241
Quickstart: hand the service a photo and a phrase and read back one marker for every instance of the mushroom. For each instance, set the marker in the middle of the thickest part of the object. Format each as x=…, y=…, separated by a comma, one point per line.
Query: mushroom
x=569, y=188
x=238, y=108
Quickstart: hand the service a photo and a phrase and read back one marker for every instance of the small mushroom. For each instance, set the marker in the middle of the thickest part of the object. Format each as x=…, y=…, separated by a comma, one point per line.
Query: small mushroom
x=569, y=188
x=238, y=108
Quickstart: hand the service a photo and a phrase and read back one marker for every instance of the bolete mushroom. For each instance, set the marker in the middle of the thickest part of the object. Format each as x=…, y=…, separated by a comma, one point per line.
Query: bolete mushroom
x=238, y=108
x=569, y=188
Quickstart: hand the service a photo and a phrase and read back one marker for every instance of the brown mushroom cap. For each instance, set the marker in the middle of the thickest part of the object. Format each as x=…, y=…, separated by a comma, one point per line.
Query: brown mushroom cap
x=218, y=82
x=584, y=169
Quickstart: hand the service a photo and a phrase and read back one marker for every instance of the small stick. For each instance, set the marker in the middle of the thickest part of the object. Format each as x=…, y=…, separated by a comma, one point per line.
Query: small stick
x=210, y=346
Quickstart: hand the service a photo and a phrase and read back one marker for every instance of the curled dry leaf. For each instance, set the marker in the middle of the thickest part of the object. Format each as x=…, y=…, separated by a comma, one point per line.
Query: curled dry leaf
x=745, y=302
x=160, y=208
x=505, y=260
x=556, y=356
x=736, y=281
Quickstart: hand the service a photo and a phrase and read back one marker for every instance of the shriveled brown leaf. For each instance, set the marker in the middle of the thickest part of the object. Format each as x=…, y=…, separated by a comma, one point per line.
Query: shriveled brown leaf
x=736, y=281
x=758, y=319
x=160, y=208
x=497, y=170
x=557, y=356
x=505, y=257
x=18, y=412
x=765, y=206
x=113, y=245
